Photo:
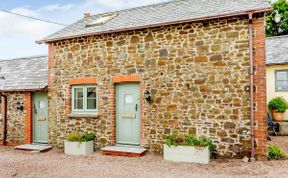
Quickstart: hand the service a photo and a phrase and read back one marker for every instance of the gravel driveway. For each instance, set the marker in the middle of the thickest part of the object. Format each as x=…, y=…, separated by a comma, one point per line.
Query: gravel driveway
x=56, y=164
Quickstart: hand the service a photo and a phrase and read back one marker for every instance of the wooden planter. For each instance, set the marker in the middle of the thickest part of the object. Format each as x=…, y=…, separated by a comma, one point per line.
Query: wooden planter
x=187, y=154
x=278, y=116
x=76, y=148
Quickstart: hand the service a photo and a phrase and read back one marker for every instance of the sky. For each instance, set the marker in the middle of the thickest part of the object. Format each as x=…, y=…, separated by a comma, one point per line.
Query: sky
x=18, y=34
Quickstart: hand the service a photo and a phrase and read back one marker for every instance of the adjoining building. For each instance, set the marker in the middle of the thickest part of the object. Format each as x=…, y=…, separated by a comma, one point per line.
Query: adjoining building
x=277, y=68
x=24, y=101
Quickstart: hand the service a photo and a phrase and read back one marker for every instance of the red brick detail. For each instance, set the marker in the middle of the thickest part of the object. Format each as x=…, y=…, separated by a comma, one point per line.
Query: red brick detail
x=68, y=101
x=50, y=64
x=125, y=79
x=28, y=121
x=3, y=115
x=118, y=153
x=100, y=101
x=260, y=83
x=112, y=112
x=79, y=81
x=10, y=143
x=143, y=117
x=3, y=106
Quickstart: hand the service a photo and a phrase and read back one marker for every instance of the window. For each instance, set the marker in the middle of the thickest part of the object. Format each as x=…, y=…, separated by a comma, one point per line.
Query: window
x=102, y=20
x=84, y=99
x=281, y=80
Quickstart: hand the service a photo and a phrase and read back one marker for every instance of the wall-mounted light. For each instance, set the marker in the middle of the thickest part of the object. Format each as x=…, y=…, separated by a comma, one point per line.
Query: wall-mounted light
x=19, y=106
x=147, y=96
x=277, y=17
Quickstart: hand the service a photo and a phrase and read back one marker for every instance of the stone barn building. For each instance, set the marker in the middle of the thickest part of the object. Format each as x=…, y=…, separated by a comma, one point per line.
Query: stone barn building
x=24, y=103
x=134, y=76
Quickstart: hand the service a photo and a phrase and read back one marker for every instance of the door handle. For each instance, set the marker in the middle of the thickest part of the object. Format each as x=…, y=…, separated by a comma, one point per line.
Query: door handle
x=136, y=107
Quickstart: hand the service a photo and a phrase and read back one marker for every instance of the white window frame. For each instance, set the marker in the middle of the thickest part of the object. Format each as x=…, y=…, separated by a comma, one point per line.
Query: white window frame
x=84, y=110
x=276, y=84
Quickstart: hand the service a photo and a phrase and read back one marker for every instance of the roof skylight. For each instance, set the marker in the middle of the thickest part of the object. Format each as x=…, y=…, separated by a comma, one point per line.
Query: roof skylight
x=102, y=20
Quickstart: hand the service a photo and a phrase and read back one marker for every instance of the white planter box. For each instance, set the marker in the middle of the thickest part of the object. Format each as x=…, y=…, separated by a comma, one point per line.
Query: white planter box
x=76, y=148
x=187, y=154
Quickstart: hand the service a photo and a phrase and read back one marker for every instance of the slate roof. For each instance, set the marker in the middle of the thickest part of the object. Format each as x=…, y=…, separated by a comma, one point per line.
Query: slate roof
x=277, y=50
x=29, y=73
x=171, y=12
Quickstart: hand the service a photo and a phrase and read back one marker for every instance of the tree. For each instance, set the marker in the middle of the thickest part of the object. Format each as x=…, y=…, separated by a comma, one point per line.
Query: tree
x=274, y=28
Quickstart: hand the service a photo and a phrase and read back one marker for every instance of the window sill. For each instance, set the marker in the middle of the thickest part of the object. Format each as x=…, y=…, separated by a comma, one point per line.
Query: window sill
x=74, y=115
x=281, y=91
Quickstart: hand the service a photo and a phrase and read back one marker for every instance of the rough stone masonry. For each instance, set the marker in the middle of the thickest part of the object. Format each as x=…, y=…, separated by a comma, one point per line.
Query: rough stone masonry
x=196, y=72
x=16, y=119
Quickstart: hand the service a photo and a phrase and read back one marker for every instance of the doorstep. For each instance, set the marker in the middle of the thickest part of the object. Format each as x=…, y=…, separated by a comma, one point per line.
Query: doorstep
x=128, y=151
x=34, y=147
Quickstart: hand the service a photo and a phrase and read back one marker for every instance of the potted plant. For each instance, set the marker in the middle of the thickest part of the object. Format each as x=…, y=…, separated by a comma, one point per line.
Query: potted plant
x=79, y=145
x=278, y=106
x=188, y=148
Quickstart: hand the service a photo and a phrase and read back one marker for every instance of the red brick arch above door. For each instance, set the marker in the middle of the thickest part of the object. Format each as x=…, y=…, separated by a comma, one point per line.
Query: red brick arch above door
x=81, y=81
x=126, y=79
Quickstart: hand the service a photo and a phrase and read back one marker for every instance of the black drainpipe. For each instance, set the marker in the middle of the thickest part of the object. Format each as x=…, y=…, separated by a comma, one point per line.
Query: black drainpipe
x=4, y=136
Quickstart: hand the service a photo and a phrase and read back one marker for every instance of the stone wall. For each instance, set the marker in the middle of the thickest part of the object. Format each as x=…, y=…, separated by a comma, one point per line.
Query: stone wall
x=16, y=118
x=197, y=74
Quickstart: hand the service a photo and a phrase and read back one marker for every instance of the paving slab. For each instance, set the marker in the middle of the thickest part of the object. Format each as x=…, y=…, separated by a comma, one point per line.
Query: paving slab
x=33, y=147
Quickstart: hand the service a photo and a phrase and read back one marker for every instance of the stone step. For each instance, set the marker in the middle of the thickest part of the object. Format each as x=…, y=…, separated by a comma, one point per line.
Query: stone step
x=123, y=151
x=33, y=147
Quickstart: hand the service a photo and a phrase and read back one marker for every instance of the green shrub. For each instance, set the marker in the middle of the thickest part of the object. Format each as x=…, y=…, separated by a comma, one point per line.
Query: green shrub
x=275, y=153
x=87, y=137
x=279, y=104
x=76, y=137
x=173, y=140
x=189, y=140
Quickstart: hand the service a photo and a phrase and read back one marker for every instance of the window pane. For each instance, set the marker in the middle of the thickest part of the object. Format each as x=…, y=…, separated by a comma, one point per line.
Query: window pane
x=79, y=104
x=91, y=98
x=282, y=75
x=128, y=99
x=91, y=92
x=91, y=103
x=78, y=98
x=282, y=85
x=78, y=92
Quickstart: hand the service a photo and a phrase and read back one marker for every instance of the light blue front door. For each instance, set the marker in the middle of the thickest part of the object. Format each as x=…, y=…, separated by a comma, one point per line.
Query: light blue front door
x=40, y=118
x=128, y=114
